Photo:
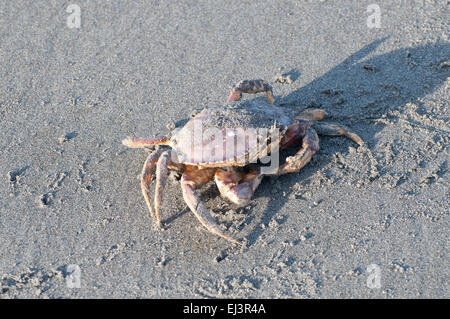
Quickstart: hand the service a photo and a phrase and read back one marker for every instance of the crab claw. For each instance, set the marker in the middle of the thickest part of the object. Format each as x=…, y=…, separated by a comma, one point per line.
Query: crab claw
x=252, y=87
x=234, y=96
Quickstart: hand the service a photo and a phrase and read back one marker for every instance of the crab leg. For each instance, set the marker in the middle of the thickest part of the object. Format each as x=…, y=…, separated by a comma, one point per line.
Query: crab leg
x=250, y=86
x=324, y=128
x=162, y=172
x=143, y=142
x=312, y=114
x=310, y=145
x=236, y=186
x=189, y=182
x=146, y=178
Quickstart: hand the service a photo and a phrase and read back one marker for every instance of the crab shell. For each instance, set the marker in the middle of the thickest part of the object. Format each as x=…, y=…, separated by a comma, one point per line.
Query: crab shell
x=234, y=134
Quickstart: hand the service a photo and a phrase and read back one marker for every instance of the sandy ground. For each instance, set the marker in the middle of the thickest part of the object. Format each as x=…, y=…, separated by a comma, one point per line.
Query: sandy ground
x=70, y=194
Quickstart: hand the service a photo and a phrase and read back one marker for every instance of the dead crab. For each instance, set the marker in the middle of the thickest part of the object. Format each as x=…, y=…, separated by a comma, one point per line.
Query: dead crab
x=200, y=149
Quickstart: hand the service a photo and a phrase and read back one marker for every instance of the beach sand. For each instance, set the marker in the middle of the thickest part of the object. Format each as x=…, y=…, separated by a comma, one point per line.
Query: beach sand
x=356, y=222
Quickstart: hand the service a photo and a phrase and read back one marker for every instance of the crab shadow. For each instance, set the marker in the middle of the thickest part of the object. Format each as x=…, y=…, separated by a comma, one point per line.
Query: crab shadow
x=355, y=93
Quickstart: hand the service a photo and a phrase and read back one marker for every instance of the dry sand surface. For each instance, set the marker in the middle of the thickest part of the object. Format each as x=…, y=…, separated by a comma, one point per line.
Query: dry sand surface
x=69, y=190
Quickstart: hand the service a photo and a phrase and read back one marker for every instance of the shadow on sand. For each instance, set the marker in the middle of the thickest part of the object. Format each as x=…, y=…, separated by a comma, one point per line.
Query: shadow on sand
x=356, y=93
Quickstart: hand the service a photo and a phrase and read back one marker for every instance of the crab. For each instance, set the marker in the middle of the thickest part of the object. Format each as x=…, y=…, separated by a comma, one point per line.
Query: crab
x=200, y=150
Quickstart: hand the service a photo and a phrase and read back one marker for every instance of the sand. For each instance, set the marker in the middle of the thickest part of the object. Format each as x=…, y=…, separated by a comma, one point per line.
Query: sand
x=356, y=222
